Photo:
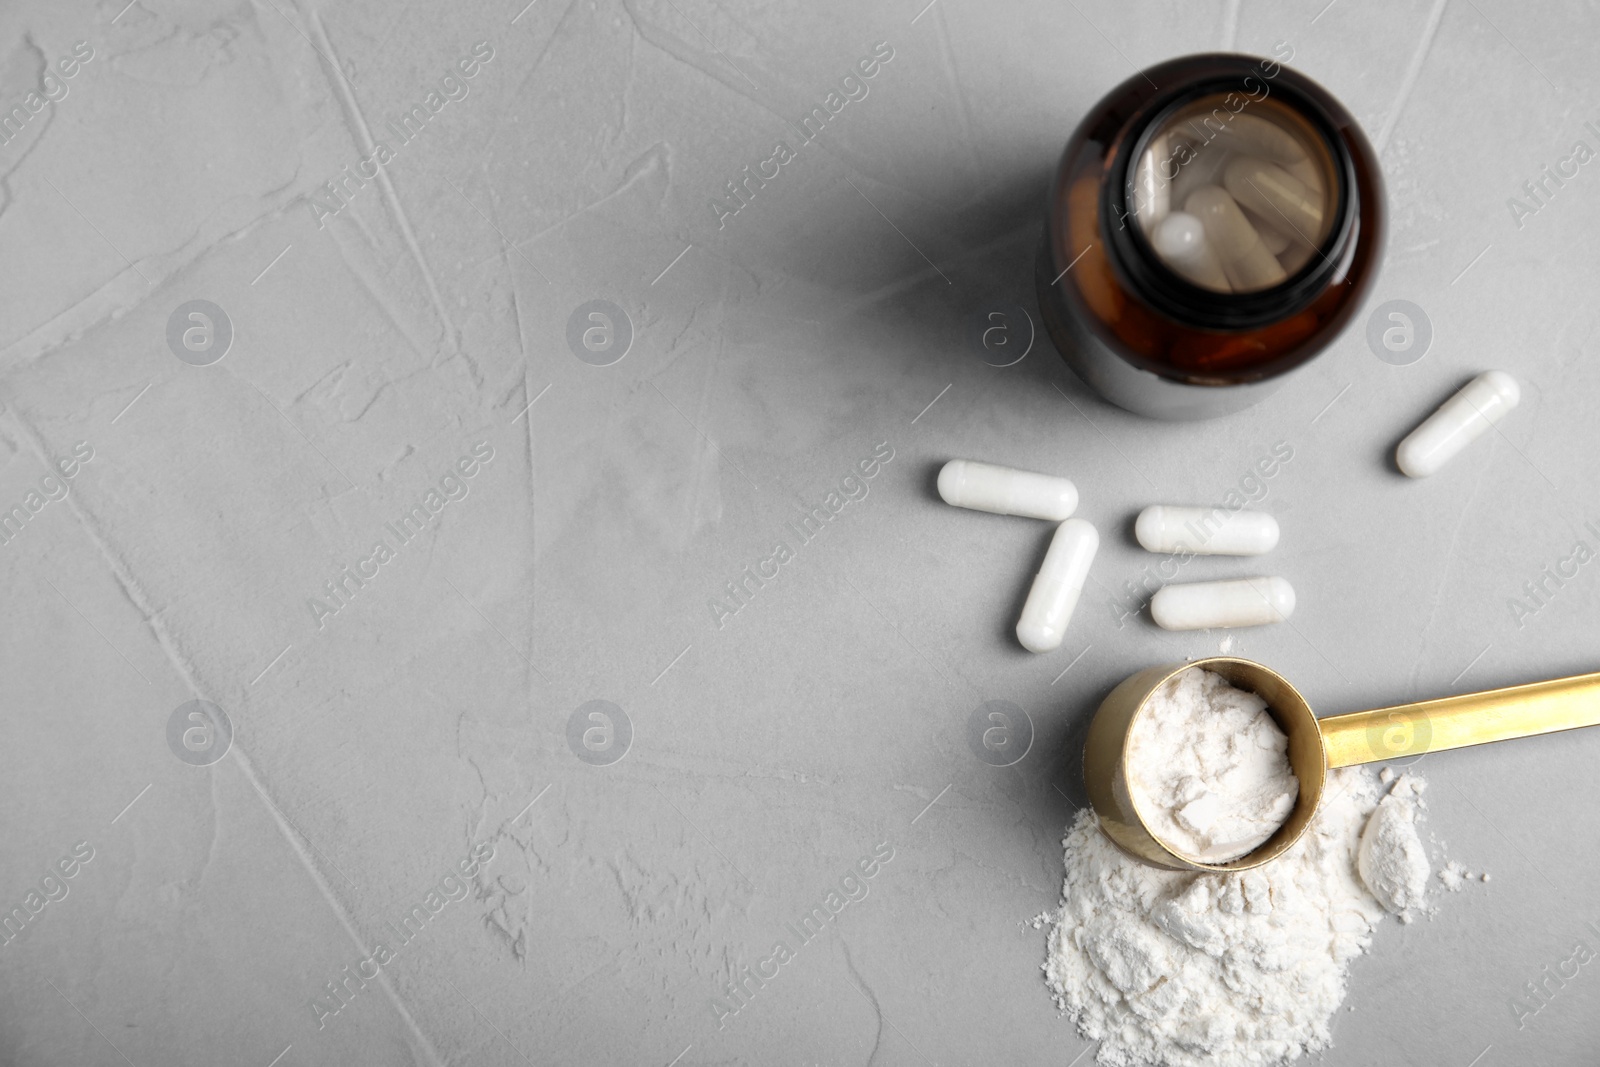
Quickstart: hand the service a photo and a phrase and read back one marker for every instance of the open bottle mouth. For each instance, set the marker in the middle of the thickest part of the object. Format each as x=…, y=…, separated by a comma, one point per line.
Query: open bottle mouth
x=1228, y=210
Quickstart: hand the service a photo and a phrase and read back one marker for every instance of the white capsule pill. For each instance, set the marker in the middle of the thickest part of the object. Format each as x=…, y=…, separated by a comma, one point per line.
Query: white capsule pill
x=1258, y=136
x=1056, y=587
x=1152, y=194
x=1206, y=531
x=1239, y=602
x=1202, y=165
x=1275, y=240
x=1294, y=257
x=1274, y=194
x=1308, y=172
x=1245, y=259
x=1006, y=491
x=1480, y=404
x=1180, y=241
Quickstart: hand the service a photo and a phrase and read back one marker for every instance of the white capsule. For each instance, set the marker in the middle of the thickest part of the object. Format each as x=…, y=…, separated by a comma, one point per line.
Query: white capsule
x=1180, y=241
x=1248, y=264
x=1239, y=602
x=1294, y=257
x=1206, y=531
x=1006, y=491
x=1263, y=138
x=1275, y=235
x=1056, y=587
x=1275, y=195
x=1309, y=173
x=1480, y=404
x=1152, y=194
x=1276, y=241
x=1202, y=165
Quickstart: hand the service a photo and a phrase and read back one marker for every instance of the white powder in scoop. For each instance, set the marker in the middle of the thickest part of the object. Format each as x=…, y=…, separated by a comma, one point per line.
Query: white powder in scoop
x=1209, y=768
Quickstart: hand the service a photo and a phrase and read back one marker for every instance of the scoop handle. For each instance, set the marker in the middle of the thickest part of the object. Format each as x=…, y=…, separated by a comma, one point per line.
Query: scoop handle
x=1460, y=721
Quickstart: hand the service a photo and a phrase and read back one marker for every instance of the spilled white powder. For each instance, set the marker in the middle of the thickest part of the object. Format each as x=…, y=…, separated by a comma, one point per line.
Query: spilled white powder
x=1455, y=876
x=1209, y=768
x=1169, y=969
x=1391, y=859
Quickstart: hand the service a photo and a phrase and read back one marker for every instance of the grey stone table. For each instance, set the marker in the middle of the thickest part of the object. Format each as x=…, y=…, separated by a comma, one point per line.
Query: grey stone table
x=382, y=599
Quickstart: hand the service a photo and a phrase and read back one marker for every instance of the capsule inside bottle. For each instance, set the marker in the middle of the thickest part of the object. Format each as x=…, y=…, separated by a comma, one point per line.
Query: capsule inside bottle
x=1258, y=178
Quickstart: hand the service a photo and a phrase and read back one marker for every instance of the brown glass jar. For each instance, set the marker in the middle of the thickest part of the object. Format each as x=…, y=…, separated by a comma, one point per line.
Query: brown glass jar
x=1214, y=223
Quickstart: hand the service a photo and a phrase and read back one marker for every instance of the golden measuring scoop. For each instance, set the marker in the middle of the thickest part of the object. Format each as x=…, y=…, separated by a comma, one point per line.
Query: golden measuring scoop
x=1316, y=744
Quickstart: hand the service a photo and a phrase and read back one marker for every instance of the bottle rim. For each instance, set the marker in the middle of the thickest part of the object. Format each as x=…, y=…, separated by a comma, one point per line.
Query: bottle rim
x=1142, y=269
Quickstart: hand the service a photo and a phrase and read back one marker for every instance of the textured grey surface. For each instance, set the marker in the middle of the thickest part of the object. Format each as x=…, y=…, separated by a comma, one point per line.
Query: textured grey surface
x=374, y=748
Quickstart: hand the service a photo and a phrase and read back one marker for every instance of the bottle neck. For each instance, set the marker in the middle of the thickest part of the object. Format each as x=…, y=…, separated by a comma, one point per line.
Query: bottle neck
x=1141, y=269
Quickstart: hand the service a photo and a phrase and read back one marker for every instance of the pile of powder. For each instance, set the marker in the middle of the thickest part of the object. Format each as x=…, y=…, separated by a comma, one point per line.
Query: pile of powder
x=1170, y=969
x=1209, y=767
x=1391, y=858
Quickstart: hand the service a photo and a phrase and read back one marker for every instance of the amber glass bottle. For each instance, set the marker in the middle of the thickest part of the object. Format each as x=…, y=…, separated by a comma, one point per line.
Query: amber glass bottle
x=1214, y=223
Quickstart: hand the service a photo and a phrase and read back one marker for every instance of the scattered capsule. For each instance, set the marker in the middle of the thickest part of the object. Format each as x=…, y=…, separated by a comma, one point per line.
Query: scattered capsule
x=1238, y=602
x=1275, y=195
x=1205, y=531
x=1180, y=241
x=1248, y=264
x=1006, y=491
x=1480, y=404
x=1056, y=587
